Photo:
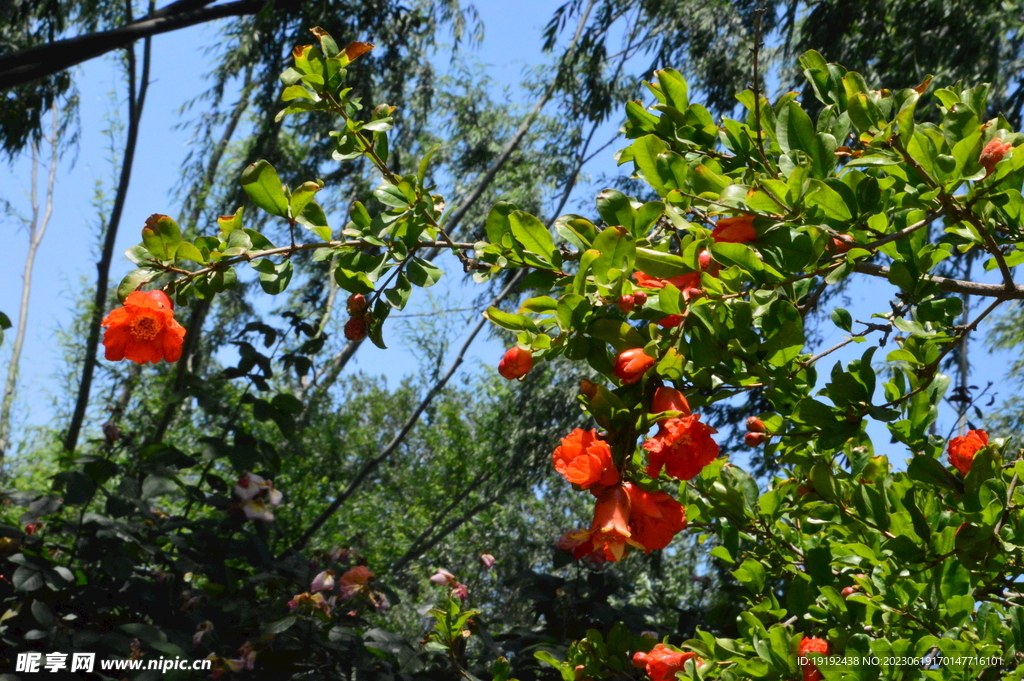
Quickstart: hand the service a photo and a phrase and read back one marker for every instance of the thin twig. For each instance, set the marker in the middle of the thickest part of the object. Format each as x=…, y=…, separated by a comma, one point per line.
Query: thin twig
x=399, y=437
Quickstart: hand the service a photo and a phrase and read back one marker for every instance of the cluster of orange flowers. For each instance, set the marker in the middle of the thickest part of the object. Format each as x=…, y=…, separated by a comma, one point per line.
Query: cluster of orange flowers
x=626, y=514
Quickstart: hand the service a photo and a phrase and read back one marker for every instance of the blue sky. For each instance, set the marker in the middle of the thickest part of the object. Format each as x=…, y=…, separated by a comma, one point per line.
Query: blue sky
x=66, y=261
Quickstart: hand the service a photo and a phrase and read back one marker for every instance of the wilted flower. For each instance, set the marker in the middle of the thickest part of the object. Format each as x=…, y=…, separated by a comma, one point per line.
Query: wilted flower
x=461, y=590
x=259, y=497
x=248, y=655
x=354, y=581
x=323, y=581
x=992, y=154
x=487, y=560
x=311, y=601
x=202, y=630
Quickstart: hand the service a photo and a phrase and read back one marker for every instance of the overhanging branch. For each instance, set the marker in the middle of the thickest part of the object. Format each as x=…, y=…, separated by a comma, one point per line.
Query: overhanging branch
x=971, y=288
x=44, y=60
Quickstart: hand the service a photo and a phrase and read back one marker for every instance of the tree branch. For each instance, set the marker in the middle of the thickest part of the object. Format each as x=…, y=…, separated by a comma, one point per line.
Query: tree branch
x=135, y=105
x=971, y=288
x=44, y=60
x=36, y=231
x=399, y=437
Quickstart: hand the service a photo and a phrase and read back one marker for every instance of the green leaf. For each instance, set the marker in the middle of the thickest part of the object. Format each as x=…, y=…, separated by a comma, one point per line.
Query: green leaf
x=423, y=272
x=229, y=223
x=645, y=155
x=274, y=279
x=507, y=320
x=615, y=209
x=794, y=129
x=187, y=251
x=534, y=237
x=618, y=250
x=831, y=203
x=161, y=236
x=133, y=280
x=498, y=226
x=659, y=264
x=926, y=469
x=302, y=195
x=751, y=575
x=398, y=295
x=312, y=218
x=263, y=185
x=842, y=319
x=27, y=578
x=675, y=88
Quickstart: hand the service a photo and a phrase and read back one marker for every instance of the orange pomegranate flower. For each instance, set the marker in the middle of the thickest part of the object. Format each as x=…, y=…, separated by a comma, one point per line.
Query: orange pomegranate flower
x=143, y=330
x=585, y=460
x=811, y=645
x=962, y=449
x=609, y=532
x=654, y=517
x=738, y=230
x=681, y=282
x=683, y=446
x=662, y=663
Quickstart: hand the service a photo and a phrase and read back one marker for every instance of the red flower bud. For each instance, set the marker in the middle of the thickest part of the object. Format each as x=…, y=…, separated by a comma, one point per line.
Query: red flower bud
x=516, y=363
x=704, y=259
x=355, y=329
x=992, y=154
x=671, y=321
x=626, y=303
x=588, y=388
x=692, y=294
x=632, y=364
x=640, y=298
x=669, y=399
x=849, y=591
x=356, y=304
x=755, y=439
x=755, y=425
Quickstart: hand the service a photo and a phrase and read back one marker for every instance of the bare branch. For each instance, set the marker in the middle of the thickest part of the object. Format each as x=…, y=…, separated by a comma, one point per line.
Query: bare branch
x=36, y=231
x=971, y=288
